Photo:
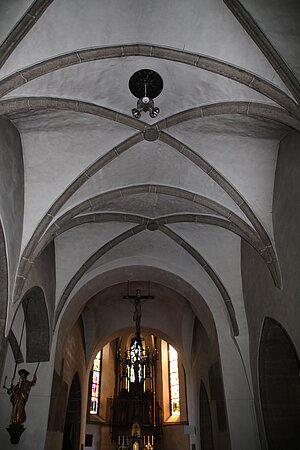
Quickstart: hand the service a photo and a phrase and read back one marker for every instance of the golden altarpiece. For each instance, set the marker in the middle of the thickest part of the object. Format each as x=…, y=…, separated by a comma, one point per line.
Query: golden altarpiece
x=135, y=419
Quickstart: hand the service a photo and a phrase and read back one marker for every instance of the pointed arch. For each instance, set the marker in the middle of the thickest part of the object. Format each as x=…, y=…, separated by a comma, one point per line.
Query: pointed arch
x=37, y=325
x=279, y=387
x=199, y=61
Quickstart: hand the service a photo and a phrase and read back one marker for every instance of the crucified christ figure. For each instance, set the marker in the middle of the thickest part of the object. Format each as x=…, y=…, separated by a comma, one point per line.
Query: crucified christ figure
x=136, y=301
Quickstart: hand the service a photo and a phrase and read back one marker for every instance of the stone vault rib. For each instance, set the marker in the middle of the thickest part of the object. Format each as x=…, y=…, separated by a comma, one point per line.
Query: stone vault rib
x=263, y=43
x=19, y=78
x=132, y=232
x=22, y=28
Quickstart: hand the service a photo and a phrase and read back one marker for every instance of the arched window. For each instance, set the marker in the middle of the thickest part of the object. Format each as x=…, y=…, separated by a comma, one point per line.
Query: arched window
x=96, y=384
x=136, y=361
x=173, y=381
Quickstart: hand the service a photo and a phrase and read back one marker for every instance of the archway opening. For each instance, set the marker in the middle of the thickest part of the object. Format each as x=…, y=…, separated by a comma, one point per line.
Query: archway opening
x=71, y=437
x=279, y=387
x=206, y=432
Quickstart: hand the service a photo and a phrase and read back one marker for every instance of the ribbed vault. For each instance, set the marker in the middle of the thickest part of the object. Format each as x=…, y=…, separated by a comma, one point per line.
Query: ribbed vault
x=109, y=191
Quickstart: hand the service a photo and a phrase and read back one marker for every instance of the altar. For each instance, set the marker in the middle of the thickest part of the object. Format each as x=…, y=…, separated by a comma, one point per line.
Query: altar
x=135, y=419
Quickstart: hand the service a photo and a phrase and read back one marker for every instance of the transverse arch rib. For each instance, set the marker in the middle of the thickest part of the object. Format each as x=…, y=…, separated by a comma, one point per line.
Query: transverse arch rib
x=94, y=202
x=210, y=64
x=132, y=232
x=53, y=232
x=21, y=104
x=251, y=109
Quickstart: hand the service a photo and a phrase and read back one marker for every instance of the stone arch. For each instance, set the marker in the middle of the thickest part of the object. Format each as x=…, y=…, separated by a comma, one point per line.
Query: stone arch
x=267, y=252
x=3, y=295
x=131, y=333
x=279, y=387
x=246, y=20
x=206, y=431
x=199, y=61
x=37, y=325
x=179, y=241
x=22, y=28
x=71, y=436
x=119, y=276
x=261, y=111
x=248, y=234
x=265, y=45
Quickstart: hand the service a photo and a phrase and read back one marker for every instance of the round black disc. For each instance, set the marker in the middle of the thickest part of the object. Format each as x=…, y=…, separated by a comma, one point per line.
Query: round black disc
x=152, y=80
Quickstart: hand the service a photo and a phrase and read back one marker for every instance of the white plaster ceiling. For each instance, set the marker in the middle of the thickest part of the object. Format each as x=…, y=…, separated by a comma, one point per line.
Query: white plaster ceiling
x=209, y=23
x=53, y=158
x=248, y=162
x=152, y=205
x=232, y=160
x=105, y=83
x=280, y=22
x=156, y=249
x=149, y=163
x=10, y=13
x=76, y=245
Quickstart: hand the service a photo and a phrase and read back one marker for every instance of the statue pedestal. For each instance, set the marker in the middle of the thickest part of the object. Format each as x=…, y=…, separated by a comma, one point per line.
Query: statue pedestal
x=15, y=432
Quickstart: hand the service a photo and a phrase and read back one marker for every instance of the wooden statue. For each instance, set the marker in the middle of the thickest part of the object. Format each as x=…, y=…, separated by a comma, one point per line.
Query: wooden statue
x=19, y=394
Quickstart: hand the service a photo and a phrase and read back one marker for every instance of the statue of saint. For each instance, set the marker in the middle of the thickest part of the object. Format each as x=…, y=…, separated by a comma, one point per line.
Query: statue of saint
x=19, y=395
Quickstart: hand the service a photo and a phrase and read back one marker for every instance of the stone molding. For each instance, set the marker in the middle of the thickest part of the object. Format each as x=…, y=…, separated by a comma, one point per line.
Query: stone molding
x=242, y=76
x=210, y=272
x=247, y=233
x=9, y=107
x=22, y=28
x=26, y=104
x=132, y=232
x=89, y=262
x=263, y=43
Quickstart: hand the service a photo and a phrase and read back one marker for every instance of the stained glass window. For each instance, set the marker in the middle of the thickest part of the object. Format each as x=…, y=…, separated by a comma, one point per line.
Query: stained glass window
x=174, y=381
x=96, y=384
x=135, y=359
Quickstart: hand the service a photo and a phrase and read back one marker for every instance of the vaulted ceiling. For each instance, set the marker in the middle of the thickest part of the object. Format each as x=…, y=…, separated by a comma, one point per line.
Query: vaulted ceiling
x=178, y=193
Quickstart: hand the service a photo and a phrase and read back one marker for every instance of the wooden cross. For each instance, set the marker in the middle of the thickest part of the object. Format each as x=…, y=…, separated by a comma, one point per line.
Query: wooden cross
x=136, y=301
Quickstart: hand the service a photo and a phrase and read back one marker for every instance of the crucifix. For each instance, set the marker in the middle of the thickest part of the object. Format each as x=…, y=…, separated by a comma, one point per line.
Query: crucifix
x=136, y=300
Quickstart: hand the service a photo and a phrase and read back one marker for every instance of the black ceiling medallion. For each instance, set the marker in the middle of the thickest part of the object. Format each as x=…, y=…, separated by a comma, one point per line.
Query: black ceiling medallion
x=145, y=84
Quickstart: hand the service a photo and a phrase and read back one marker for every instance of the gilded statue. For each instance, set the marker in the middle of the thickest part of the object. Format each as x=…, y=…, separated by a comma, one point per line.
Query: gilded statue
x=19, y=394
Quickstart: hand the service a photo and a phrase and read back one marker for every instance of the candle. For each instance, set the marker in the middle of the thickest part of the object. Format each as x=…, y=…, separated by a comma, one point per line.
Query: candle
x=123, y=440
x=152, y=440
x=119, y=440
x=144, y=440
